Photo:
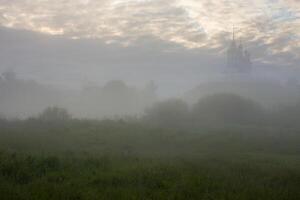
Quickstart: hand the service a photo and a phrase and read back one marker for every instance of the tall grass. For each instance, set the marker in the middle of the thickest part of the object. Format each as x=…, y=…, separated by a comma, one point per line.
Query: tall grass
x=82, y=159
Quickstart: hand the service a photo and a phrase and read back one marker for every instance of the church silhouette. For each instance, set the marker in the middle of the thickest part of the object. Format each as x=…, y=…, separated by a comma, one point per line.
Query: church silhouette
x=238, y=59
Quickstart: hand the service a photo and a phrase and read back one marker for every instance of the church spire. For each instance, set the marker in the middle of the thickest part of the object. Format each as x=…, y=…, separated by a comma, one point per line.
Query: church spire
x=238, y=60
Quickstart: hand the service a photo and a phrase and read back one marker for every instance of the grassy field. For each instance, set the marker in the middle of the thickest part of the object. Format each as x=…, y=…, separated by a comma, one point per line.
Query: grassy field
x=121, y=160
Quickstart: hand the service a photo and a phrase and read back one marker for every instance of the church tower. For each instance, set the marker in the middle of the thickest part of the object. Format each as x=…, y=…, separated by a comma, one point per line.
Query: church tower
x=238, y=59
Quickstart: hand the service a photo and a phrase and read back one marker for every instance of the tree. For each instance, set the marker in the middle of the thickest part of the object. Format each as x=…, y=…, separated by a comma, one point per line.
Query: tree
x=55, y=114
x=9, y=75
x=227, y=108
x=287, y=116
x=118, y=99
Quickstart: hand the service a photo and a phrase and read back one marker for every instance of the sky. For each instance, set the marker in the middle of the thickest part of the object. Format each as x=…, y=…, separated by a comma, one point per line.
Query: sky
x=174, y=42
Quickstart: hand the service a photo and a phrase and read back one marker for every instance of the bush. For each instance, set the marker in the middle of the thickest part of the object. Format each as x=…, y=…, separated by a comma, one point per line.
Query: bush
x=170, y=113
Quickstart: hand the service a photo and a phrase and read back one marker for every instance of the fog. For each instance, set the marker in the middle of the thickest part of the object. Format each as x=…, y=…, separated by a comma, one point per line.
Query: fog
x=149, y=99
x=24, y=98
x=93, y=80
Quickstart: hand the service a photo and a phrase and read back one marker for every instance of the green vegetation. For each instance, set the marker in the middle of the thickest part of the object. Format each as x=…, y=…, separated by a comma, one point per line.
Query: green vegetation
x=84, y=159
x=224, y=147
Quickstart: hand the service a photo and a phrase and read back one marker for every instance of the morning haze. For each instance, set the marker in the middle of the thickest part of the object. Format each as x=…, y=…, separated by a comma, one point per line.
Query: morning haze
x=149, y=99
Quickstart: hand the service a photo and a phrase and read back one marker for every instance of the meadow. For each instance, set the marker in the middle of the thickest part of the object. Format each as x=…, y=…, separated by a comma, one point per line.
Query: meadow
x=119, y=159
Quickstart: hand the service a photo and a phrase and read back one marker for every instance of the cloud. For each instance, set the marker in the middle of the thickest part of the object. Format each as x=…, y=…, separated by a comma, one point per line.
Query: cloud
x=273, y=24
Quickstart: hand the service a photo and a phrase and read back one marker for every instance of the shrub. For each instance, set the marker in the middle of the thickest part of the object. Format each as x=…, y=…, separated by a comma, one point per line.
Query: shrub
x=170, y=113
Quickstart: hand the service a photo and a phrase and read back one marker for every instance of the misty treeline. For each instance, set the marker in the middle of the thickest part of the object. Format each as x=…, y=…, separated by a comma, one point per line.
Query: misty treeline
x=216, y=110
x=219, y=110
x=21, y=99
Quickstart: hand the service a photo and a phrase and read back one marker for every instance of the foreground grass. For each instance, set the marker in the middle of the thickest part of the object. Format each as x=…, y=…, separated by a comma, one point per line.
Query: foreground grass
x=117, y=160
x=110, y=177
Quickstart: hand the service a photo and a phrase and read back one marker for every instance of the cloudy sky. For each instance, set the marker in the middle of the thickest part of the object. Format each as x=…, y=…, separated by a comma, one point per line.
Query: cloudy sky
x=163, y=35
